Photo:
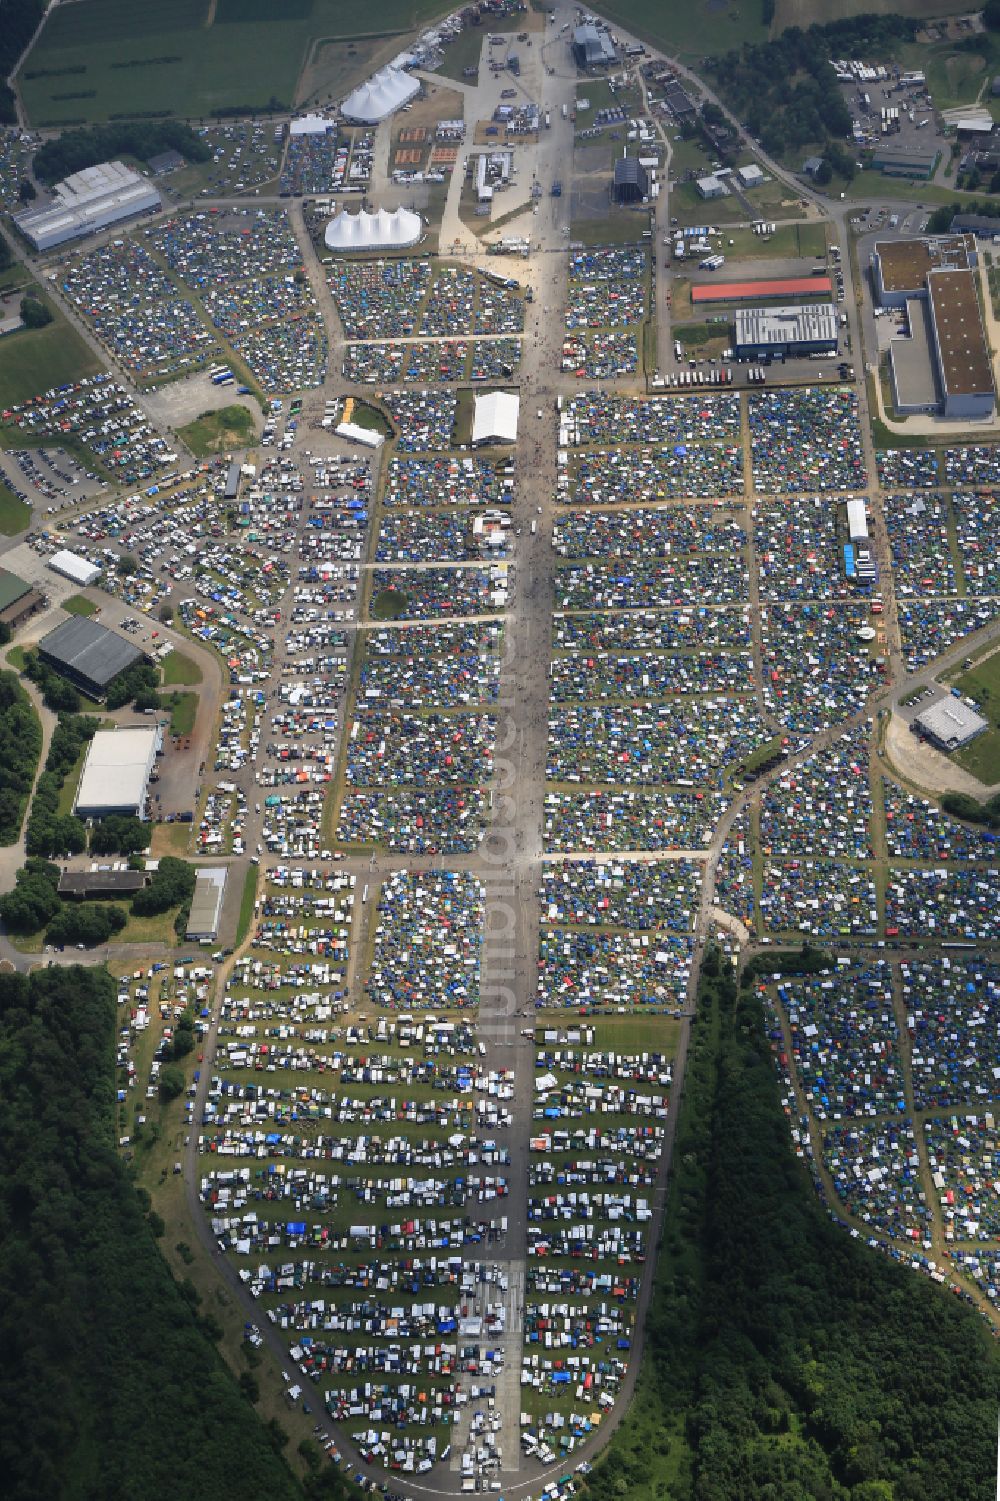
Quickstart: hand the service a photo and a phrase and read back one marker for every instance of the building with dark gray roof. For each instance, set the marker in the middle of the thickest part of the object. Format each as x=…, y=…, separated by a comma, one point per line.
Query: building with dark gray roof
x=164, y=162
x=977, y=224
x=593, y=47
x=87, y=884
x=631, y=184
x=88, y=654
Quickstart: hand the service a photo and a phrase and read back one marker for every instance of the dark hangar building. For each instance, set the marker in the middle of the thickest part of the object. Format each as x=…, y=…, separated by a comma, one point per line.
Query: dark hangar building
x=593, y=47
x=631, y=182
x=88, y=654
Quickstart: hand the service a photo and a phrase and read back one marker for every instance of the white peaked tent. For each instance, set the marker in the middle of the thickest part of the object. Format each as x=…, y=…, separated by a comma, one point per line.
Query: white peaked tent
x=378, y=231
x=495, y=418
x=380, y=95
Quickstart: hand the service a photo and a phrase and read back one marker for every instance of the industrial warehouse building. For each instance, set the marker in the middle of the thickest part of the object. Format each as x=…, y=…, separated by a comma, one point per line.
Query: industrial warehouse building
x=761, y=333
x=950, y=723
x=206, y=904
x=631, y=184
x=943, y=363
x=762, y=291
x=116, y=772
x=88, y=654
x=916, y=164
x=593, y=47
x=86, y=202
x=900, y=267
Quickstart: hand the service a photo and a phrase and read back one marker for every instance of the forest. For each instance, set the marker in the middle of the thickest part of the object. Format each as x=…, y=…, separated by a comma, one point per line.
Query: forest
x=20, y=747
x=786, y=1361
x=109, y=1388
x=785, y=91
x=75, y=149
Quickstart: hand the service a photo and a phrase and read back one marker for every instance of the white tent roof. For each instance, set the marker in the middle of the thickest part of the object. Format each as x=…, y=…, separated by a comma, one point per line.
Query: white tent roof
x=380, y=95
x=379, y=231
x=495, y=418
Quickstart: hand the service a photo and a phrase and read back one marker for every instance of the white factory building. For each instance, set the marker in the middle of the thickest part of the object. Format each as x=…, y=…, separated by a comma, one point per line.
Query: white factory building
x=381, y=95
x=379, y=231
x=116, y=772
x=86, y=202
x=762, y=332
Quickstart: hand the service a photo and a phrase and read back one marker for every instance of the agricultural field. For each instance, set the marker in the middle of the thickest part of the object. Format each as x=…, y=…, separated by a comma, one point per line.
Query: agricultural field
x=104, y=58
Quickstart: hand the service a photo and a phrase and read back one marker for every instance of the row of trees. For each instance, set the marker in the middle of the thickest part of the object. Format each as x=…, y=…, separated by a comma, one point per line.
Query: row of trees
x=75, y=149
x=58, y=693
x=20, y=747
x=786, y=1360
x=50, y=832
x=785, y=90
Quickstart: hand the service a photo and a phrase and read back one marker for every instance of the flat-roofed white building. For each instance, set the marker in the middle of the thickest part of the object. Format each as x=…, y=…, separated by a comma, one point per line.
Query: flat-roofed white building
x=116, y=772
x=87, y=202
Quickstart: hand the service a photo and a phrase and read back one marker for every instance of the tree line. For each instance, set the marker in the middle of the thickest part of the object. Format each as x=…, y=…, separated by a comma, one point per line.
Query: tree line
x=20, y=748
x=785, y=1360
x=786, y=92
x=75, y=149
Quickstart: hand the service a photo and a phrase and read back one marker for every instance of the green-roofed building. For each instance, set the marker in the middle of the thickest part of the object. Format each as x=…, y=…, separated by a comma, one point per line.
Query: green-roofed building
x=18, y=600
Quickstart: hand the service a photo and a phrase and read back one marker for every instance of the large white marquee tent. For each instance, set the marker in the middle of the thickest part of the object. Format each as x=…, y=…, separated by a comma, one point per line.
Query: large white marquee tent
x=380, y=95
x=379, y=231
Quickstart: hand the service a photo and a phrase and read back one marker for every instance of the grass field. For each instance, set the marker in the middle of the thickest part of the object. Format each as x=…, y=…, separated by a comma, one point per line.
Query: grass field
x=465, y=51
x=982, y=757
x=954, y=74
x=79, y=604
x=219, y=432
x=15, y=516
x=688, y=207
x=805, y=240
x=692, y=30
x=179, y=670
x=623, y=228
x=67, y=791
x=183, y=710
x=158, y=929
x=246, y=904
x=33, y=359
x=167, y=59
